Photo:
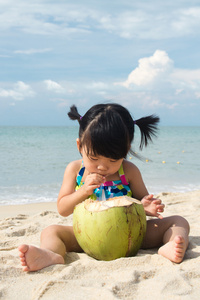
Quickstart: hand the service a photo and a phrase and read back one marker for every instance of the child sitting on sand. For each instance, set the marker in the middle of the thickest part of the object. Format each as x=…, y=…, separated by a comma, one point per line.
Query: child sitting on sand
x=105, y=136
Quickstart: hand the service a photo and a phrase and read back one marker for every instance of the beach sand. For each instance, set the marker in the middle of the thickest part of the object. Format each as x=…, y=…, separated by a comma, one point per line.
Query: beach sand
x=145, y=276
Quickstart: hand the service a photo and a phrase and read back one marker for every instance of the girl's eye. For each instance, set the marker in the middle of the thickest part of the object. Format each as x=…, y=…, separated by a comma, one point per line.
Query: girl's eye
x=93, y=158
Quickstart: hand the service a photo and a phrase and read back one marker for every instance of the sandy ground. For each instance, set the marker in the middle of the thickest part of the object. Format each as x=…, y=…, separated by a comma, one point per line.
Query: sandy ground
x=145, y=276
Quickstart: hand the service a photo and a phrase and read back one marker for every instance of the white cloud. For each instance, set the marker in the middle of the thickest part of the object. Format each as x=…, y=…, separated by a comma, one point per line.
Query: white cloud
x=20, y=91
x=4, y=56
x=158, y=72
x=187, y=21
x=125, y=24
x=33, y=51
x=153, y=24
x=197, y=95
x=134, y=20
x=178, y=91
x=43, y=17
x=156, y=84
x=149, y=70
x=97, y=85
x=54, y=86
x=185, y=78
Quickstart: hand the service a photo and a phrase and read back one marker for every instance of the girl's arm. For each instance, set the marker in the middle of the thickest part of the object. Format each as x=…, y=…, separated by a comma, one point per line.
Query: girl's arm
x=152, y=206
x=135, y=180
x=68, y=198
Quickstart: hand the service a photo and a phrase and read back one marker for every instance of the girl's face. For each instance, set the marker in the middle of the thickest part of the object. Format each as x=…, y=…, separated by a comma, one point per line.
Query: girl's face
x=99, y=164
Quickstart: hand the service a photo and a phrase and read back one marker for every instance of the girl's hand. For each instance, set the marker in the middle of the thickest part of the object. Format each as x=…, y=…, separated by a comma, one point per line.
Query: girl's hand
x=152, y=206
x=92, y=182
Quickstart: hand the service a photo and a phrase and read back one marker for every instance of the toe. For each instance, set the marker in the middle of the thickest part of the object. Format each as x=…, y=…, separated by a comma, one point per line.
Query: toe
x=26, y=269
x=179, y=239
x=23, y=249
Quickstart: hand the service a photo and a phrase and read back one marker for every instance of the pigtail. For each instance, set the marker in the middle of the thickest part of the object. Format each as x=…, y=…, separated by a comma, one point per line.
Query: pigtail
x=73, y=113
x=148, y=128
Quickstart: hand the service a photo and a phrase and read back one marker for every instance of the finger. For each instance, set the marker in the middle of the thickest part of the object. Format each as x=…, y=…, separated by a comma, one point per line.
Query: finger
x=157, y=201
x=100, y=179
x=160, y=210
x=159, y=216
x=160, y=205
x=149, y=197
x=95, y=179
x=97, y=175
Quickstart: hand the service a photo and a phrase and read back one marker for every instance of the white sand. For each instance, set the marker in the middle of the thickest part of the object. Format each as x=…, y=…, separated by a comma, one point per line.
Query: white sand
x=146, y=276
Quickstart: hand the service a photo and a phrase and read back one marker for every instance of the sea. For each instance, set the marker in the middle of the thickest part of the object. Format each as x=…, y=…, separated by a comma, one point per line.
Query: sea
x=33, y=161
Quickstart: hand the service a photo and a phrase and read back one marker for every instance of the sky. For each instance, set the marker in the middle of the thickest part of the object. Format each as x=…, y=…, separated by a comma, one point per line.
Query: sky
x=144, y=55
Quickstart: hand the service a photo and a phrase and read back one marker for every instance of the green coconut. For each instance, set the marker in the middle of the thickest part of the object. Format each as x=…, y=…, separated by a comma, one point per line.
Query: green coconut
x=107, y=230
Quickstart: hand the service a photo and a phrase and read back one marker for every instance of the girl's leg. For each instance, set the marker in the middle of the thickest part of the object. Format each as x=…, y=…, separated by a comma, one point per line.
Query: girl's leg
x=170, y=234
x=56, y=240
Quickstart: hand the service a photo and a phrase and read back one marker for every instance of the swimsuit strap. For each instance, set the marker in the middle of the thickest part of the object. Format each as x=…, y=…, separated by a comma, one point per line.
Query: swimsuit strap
x=80, y=174
x=122, y=176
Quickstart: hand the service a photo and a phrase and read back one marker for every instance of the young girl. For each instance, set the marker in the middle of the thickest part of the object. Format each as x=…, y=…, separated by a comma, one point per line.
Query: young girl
x=105, y=136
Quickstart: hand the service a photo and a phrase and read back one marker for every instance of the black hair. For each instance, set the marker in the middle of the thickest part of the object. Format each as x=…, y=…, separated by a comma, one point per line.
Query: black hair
x=108, y=130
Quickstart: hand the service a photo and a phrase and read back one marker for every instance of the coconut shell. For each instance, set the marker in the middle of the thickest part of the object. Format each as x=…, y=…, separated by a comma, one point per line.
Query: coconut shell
x=107, y=230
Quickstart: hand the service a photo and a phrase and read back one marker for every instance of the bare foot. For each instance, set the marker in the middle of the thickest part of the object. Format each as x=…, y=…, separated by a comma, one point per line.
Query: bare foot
x=33, y=258
x=174, y=250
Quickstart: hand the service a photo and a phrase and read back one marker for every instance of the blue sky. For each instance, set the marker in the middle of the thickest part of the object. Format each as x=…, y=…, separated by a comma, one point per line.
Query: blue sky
x=142, y=54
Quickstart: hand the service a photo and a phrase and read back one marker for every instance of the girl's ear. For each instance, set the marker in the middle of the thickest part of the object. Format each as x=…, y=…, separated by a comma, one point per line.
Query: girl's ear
x=78, y=144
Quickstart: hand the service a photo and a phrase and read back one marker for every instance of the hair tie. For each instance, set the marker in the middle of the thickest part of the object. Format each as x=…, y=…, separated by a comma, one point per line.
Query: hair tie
x=80, y=117
x=135, y=122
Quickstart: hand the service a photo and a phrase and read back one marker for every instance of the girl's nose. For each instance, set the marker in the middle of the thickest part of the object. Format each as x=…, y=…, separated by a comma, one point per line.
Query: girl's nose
x=102, y=167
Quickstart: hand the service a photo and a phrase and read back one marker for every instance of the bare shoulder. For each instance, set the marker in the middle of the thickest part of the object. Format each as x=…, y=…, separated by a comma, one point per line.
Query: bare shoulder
x=70, y=175
x=75, y=164
x=130, y=169
x=73, y=167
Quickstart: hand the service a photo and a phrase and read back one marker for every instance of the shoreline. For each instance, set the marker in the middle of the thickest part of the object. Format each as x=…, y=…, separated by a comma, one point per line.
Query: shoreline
x=7, y=211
